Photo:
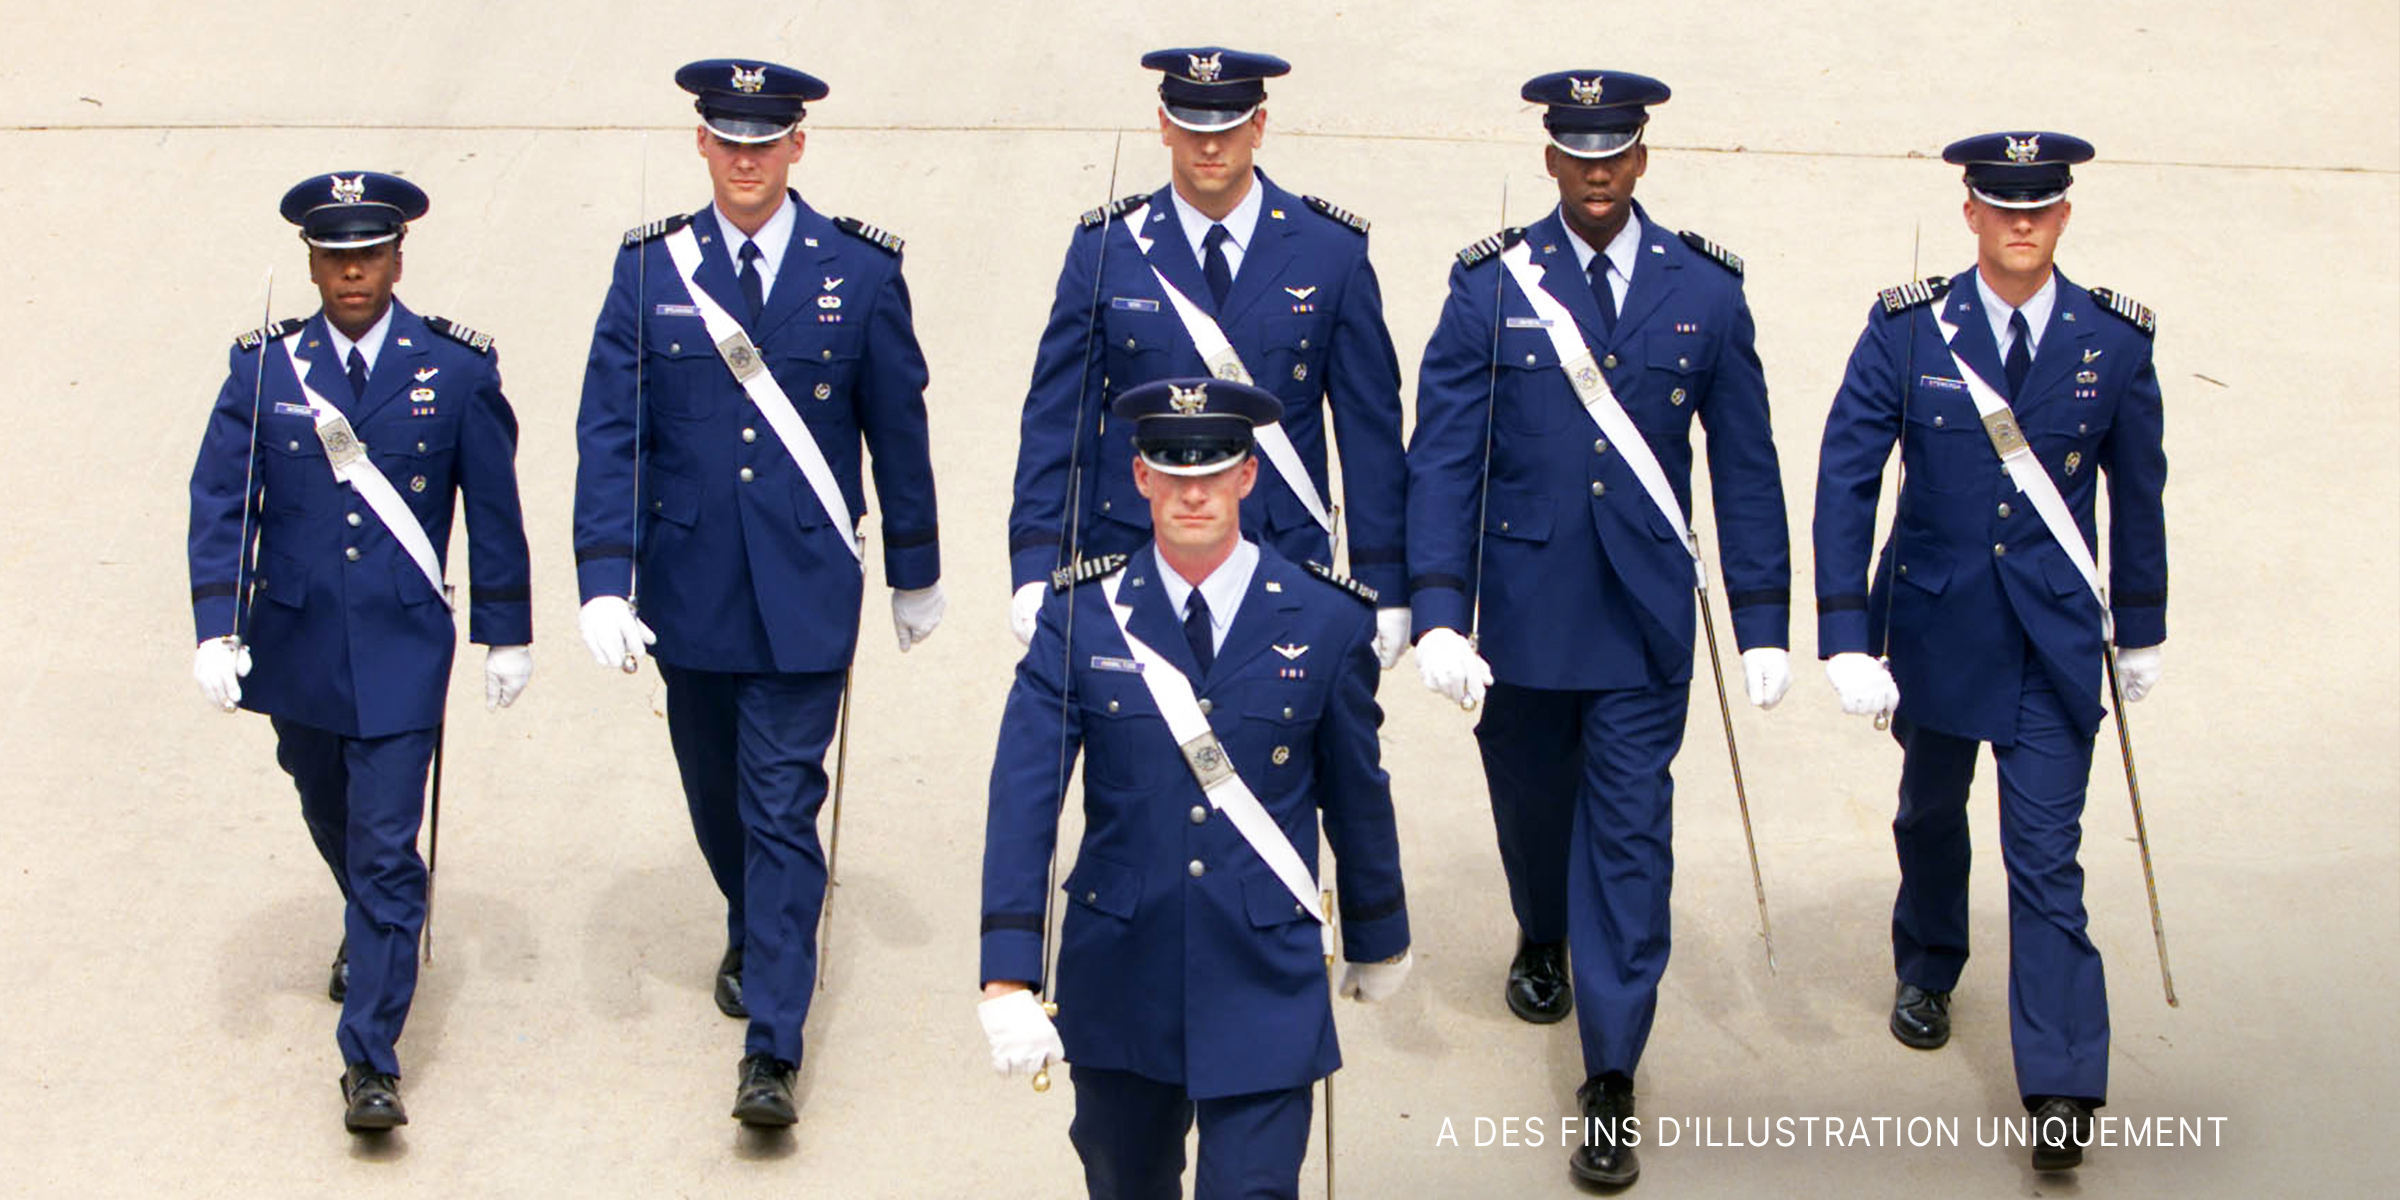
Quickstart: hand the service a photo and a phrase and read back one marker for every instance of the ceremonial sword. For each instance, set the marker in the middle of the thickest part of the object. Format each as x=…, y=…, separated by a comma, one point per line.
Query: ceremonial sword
x=1908, y=383
x=2141, y=830
x=241, y=545
x=1074, y=555
x=1491, y=404
x=641, y=323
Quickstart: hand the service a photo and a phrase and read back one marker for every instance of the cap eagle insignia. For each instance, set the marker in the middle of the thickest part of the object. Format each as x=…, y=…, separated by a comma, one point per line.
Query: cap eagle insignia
x=2025, y=150
x=351, y=190
x=749, y=81
x=1206, y=70
x=1585, y=91
x=1189, y=401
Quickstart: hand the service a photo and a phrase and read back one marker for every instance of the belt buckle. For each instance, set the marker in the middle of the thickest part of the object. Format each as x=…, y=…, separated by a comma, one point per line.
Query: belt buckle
x=740, y=355
x=1205, y=755
x=341, y=443
x=2001, y=427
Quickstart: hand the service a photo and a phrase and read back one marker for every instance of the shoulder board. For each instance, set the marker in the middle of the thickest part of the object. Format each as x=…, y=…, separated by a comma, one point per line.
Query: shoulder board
x=480, y=343
x=2127, y=307
x=268, y=333
x=1365, y=595
x=888, y=241
x=1115, y=208
x=1327, y=208
x=1086, y=570
x=1731, y=261
x=655, y=229
x=1913, y=293
x=1491, y=245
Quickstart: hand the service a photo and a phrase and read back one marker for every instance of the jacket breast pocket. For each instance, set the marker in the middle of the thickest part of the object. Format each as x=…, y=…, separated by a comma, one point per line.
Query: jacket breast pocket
x=1683, y=359
x=1518, y=517
x=1527, y=403
x=1295, y=355
x=671, y=498
x=1947, y=449
x=292, y=465
x=685, y=373
x=409, y=583
x=1138, y=341
x=1114, y=703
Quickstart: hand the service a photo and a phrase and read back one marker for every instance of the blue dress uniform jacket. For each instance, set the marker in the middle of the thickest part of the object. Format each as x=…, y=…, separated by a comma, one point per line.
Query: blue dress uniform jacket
x=1976, y=564
x=1584, y=583
x=350, y=637
x=750, y=574
x=1306, y=316
x=1182, y=958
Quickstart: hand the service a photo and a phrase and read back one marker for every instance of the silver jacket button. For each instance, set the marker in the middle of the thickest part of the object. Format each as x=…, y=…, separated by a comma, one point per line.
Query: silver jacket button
x=1197, y=869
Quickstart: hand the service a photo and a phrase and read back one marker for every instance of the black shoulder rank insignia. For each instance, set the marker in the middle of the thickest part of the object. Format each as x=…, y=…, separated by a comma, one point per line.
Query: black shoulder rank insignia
x=261, y=336
x=1328, y=208
x=1731, y=261
x=1913, y=293
x=1366, y=595
x=480, y=343
x=1086, y=570
x=1115, y=208
x=889, y=241
x=1491, y=245
x=2129, y=308
x=655, y=229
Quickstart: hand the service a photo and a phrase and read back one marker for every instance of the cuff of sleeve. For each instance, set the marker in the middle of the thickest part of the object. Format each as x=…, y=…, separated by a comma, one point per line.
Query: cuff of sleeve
x=1012, y=954
x=1376, y=940
x=603, y=575
x=1762, y=625
x=2140, y=626
x=912, y=565
x=1031, y=564
x=1841, y=632
x=212, y=617
x=500, y=623
x=1436, y=606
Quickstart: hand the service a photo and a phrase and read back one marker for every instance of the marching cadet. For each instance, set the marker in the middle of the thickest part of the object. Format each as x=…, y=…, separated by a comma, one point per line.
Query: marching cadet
x=1550, y=488
x=1219, y=273
x=321, y=510
x=2009, y=390
x=1202, y=671
x=741, y=355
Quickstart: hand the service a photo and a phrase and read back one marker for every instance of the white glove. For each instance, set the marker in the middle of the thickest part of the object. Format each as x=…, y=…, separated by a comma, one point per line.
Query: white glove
x=1450, y=666
x=1022, y=1036
x=612, y=633
x=217, y=666
x=2137, y=670
x=1768, y=672
x=1375, y=981
x=1865, y=687
x=506, y=671
x=1024, y=610
x=1391, y=636
x=915, y=613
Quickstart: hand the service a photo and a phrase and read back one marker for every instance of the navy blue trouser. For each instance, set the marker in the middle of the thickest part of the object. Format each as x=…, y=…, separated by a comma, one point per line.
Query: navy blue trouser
x=751, y=750
x=1583, y=800
x=1129, y=1131
x=2057, y=998
x=363, y=799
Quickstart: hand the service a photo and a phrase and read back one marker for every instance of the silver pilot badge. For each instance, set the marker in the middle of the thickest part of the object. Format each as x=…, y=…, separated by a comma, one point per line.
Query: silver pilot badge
x=740, y=355
x=341, y=443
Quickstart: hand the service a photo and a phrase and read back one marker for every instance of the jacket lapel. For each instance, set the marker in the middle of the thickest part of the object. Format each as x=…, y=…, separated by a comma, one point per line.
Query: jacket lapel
x=1963, y=307
x=396, y=364
x=1152, y=620
x=1656, y=270
x=322, y=372
x=716, y=266
x=1171, y=254
x=2072, y=324
x=800, y=277
x=1269, y=254
x=1563, y=278
x=1255, y=623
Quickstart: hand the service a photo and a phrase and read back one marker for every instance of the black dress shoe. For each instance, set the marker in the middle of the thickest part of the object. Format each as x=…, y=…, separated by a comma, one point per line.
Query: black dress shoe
x=2060, y=1128
x=1606, y=1157
x=370, y=1100
x=339, y=985
x=764, y=1096
x=729, y=984
x=1539, y=989
x=1921, y=1018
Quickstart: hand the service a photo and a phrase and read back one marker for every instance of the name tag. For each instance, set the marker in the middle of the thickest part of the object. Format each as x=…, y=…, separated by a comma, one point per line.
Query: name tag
x=1527, y=323
x=1127, y=665
x=1947, y=385
x=293, y=410
x=677, y=310
x=1133, y=304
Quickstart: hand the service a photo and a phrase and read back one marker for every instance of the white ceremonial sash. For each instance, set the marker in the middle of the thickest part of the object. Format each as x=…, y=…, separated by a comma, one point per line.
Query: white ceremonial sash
x=2027, y=472
x=1206, y=757
x=350, y=466
x=1224, y=363
x=741, y=357
x=1599, y=402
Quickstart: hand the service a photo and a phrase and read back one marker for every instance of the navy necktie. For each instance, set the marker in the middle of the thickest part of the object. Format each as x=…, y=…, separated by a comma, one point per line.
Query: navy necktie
x=1197, y=632
x=1214, y=265
x=753, y=287
x=2020, y=352
x=1604, y=294
x=358, y=374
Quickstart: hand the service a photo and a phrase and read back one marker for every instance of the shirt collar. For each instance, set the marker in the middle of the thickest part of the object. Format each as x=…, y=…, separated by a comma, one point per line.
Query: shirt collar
x=773, y=238
x=369, y=344
x=2036, y=308
x=1623, y=250
x=1239, y=224
x=1224, y=587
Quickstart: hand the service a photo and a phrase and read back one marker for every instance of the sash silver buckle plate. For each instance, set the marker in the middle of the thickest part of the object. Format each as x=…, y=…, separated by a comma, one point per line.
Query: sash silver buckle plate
x=740, y=355
x=341, y=443
x=1207, y=759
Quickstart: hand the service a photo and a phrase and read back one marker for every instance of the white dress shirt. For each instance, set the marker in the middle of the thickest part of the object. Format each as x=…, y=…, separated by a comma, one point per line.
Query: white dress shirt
x=369, y=344
x=1239, y=225
x=2037, y=313
x=1224, y=588
x=1623, y=252
x=773, y=239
